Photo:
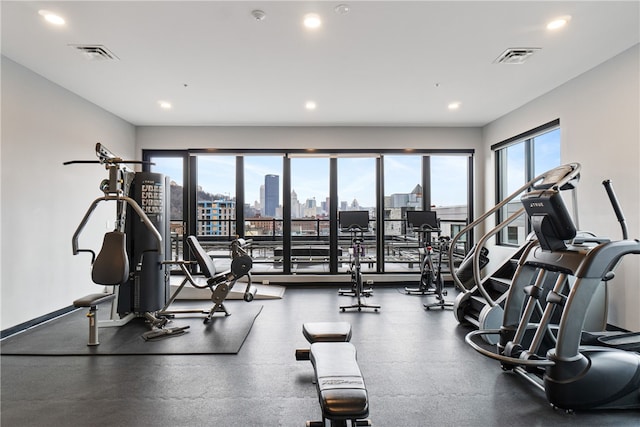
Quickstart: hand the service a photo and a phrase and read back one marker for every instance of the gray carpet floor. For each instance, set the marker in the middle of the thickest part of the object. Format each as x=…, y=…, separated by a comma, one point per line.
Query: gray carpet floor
x=418, y=371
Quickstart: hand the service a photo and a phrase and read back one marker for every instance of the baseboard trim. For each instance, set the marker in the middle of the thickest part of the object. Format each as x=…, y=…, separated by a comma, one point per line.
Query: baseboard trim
x=33, y=322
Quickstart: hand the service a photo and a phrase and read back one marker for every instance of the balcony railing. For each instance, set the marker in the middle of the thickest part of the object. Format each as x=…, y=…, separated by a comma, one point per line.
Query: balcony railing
x=310, y=244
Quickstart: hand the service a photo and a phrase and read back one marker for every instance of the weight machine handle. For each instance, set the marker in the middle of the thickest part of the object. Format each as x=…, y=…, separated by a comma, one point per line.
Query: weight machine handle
x=616, y=207
x=131, y=202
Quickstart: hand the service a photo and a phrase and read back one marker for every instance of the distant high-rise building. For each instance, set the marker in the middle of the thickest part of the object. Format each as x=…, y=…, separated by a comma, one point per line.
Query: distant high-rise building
x=262, y=199
x=295, y=205
x=310, y=209
x=216, y=217
x=271, y=194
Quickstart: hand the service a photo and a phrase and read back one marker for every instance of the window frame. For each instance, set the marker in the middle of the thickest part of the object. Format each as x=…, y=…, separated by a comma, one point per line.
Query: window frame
x=528, y=139
x=191, y=171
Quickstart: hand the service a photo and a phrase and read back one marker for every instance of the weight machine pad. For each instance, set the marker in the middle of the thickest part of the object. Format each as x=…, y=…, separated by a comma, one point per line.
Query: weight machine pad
x=341, y=389
x=327, y=331
x=92, y=300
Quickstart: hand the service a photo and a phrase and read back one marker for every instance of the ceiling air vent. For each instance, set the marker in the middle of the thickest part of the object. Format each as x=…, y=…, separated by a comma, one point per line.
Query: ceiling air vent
x=96, y=52
x=515, y=56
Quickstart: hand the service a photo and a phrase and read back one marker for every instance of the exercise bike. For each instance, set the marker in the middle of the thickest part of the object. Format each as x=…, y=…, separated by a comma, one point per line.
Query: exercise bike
x=358, y=223
x=424, y=224
x=356, y=250
x=435, y=271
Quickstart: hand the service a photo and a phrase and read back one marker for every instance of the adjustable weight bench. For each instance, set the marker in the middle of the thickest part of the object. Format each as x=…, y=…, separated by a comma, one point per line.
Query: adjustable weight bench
x=220, y=284
x=341, y=389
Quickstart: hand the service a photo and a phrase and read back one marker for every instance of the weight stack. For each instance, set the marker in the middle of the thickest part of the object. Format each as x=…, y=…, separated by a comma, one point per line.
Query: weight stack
x=148, y=287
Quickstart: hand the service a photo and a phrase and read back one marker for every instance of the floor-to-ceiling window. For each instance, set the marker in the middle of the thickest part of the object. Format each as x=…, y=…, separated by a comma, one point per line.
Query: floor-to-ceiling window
x=216, y=197
x=449, y=192
x=402, y=191
x=357, y=192
x=310, y=214
x=263, y=210
x=286, y=204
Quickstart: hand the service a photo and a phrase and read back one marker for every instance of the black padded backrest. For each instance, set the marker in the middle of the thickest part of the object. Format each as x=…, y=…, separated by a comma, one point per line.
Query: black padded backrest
x=204, y=261
x=111, y=266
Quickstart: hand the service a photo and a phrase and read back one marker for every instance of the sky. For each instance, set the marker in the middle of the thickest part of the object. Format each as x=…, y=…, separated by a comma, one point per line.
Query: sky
x=546, y=157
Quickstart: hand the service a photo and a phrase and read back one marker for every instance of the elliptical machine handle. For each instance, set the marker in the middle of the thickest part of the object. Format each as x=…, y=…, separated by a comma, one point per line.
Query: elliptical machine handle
x=616, y=207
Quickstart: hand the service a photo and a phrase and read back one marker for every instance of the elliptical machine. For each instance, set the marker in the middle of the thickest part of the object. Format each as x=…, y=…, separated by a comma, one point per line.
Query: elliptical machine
x=573, y=377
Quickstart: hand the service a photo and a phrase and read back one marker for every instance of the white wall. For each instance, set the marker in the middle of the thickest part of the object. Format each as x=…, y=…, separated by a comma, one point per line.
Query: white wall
x=366, y=138
x=43, y=201
x=600, y=129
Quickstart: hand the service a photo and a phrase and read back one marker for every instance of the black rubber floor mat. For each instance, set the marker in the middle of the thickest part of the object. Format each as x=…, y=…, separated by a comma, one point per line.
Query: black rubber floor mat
x=69, y=334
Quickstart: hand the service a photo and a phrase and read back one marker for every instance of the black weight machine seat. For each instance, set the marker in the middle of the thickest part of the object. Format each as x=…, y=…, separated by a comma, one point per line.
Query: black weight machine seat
x=220, y=284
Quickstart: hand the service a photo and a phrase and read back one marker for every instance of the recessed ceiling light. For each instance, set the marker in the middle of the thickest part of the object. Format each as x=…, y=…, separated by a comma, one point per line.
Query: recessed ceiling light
x=310, y=105
x=312, y=21
x=165, y=105
x=558, y=22
x=454, y=105
x=51, y=17
x=342, y=9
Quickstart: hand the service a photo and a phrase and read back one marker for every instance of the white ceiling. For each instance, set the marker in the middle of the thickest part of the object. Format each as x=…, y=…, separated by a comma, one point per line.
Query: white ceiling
x=383, y=63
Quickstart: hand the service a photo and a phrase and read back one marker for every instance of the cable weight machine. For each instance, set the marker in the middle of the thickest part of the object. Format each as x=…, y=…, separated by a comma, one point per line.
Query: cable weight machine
x=132, y=265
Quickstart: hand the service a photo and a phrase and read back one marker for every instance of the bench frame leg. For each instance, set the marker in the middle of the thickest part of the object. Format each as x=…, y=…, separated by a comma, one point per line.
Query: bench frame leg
x=93, y=326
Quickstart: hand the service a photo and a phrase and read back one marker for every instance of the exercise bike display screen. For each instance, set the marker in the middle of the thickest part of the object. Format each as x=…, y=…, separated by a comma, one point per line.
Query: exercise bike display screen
x=353, y=220
x=422, y=220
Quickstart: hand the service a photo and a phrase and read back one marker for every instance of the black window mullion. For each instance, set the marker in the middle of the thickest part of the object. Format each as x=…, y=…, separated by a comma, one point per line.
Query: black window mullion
x=239, y=196
x=426, y=183
x=192, y=196
x=470, y=196
x=286, y=215
x=380, y=236
x=333, y=215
